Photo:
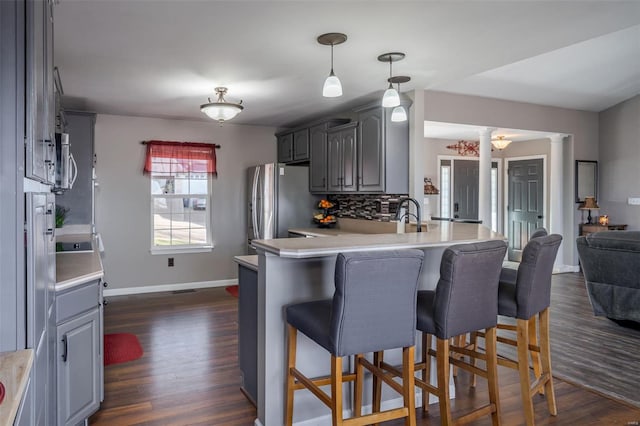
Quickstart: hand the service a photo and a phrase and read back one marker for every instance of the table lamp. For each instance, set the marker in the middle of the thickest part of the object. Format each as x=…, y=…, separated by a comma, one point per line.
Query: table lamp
x=589, y=204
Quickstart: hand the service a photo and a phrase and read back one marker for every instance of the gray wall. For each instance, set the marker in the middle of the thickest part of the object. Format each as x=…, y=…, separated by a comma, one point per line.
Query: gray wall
x=582, y=125
x=123, y=198
x=618, y=169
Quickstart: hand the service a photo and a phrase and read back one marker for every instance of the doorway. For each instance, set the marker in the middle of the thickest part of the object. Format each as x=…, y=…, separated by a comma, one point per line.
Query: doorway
x=525, y=202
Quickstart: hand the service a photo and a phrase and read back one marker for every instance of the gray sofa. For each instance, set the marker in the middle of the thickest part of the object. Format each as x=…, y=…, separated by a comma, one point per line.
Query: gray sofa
x=611, y=265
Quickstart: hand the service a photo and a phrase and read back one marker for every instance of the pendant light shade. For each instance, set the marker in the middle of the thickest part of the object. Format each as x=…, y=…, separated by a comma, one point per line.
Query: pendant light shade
x=391, y=98
x=221, y=110
x=332, y=87
x=500, y=143
x=398, y=114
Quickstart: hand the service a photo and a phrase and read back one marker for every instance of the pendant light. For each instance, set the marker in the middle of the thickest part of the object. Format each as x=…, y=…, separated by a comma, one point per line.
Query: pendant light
x=391, y=98
x=221, y=110
x=399, y=113
x=500, y=143
x=332, y=87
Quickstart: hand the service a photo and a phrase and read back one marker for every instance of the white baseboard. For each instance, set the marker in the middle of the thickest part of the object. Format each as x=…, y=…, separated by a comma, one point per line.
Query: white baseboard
x=167, y=287
x=561, y=269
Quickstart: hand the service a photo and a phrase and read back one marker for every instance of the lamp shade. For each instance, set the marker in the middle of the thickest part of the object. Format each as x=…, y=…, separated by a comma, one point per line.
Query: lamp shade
x=500, y=142
x=221, y=110
x=391, y=98
x=332, y=87
x=589, y=204
x=398, y=114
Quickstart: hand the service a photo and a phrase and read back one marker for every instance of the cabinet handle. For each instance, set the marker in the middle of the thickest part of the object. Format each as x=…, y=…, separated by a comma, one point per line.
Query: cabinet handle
x=104, y=284
x=105, y=302
x=49, y=231
x=64, y=348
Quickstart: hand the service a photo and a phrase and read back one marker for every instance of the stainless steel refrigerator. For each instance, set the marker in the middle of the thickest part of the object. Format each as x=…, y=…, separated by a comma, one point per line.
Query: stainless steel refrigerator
x=278, y=198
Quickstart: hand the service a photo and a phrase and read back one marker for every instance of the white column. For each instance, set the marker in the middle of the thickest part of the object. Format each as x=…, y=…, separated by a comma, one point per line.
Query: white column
x=416, y=147
x=556, y=196
x=484, y=177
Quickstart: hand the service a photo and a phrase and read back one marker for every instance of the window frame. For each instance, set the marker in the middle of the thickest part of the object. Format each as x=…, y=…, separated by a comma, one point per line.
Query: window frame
x=182, y=248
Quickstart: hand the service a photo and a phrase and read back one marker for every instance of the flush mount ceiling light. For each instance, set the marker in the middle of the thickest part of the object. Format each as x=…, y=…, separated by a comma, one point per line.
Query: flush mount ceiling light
x=221, y=110
x=391, y=98
x=500, y=143
x=332, y=87
x=399, y=114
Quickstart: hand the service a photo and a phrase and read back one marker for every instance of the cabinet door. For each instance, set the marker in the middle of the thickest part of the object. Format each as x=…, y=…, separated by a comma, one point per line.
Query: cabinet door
x=36, y=102
x=349, y=160
x=78, y=368
x=301, y=145
x=285, y=148
x=334, y=158
x=318, y=159
x=49, y=121
x=371, y=167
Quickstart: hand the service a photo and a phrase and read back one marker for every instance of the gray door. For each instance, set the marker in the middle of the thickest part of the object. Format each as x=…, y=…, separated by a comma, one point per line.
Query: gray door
x=466, y=188
x=525, y=205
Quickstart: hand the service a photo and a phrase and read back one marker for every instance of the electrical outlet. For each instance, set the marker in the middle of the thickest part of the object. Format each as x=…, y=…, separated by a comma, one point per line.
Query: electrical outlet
x=634, y=201
x=170, y=262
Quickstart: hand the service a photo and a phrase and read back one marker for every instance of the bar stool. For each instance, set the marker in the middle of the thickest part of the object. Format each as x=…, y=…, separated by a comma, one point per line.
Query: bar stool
x=465, y=300
x=373, y=308
x=527, y=299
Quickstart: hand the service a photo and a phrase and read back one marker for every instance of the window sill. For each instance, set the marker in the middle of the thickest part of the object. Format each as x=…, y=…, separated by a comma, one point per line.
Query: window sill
x=185, y=250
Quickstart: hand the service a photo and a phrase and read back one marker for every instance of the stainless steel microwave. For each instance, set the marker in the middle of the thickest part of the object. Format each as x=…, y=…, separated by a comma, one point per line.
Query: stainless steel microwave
x=66, y=167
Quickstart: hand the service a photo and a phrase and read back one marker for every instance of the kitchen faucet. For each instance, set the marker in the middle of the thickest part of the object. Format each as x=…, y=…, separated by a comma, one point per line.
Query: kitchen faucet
x=417, y=215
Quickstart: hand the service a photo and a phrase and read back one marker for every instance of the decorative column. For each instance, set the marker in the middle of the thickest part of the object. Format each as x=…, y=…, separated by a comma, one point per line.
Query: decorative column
x=556, y=196
x=416, y=147
x=484, y=177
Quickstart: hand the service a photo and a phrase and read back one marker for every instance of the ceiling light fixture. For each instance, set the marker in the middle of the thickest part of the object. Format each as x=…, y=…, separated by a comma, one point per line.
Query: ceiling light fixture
x=500, y=143
x=399, y=113
x=391, y=98
x=332, y=87
x=221, y=110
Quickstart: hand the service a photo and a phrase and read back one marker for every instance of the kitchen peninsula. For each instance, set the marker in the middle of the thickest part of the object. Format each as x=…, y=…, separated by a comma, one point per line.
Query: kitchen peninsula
x=294, y=270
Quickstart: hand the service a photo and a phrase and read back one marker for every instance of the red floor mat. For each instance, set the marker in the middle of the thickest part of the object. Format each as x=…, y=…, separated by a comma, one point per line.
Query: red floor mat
x=121, y=347
x=232, y=290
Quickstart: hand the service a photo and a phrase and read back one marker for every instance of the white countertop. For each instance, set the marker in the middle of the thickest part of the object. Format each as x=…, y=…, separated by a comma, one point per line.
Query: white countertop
x=250, y=261
x=440, y=234
x=73, y=268
x=14, y=373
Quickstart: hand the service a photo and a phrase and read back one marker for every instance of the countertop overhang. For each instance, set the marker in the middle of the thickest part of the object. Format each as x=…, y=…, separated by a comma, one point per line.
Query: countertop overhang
x=439, y=235
x=14, y=374
x=74, y=268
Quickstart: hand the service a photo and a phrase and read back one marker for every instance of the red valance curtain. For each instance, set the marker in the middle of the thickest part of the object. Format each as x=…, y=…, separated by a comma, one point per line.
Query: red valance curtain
x=191, y=156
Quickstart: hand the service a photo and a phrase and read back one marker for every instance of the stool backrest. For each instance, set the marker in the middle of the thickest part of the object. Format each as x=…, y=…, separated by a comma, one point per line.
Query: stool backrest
x=467, y=293
x=538, y=232
x=533, y=283
x=374, y=304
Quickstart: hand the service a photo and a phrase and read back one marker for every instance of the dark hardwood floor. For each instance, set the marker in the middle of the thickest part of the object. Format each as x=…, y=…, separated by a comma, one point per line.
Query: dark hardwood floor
x=189, y=372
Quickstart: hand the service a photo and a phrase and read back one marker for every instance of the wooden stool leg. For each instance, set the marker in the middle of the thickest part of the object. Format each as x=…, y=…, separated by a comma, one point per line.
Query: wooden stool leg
x=523, y=368
x=535, y=356
x=357, y=394
x=426, y=372
x=442, y=360
x=408, y=384
x=292, y=334
x=492, y=373
x=545, y=354
x=377, y=382
x=474, y=347
x=336, y=390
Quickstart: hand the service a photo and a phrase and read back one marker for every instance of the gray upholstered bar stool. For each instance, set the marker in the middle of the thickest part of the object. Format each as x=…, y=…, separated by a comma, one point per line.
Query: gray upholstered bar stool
x=465, y=300
x=373, y=308
x=527, y=299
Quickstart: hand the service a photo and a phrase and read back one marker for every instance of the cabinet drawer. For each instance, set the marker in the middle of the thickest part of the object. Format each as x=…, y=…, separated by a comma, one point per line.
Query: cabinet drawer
x=77, y=300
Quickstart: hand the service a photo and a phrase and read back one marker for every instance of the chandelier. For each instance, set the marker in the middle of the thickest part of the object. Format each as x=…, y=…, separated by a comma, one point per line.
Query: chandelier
x=221, y=110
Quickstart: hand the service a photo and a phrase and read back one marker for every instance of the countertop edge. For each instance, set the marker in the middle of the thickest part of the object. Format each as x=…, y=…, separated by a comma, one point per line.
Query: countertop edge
x=70, y=283
x=19, y=391
x=250, y=261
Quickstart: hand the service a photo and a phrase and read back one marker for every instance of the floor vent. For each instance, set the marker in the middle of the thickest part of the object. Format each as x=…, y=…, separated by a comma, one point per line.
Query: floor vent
x=189, y=290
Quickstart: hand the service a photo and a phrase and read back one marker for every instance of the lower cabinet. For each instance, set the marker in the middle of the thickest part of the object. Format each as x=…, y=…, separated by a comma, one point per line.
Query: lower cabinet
x=79, y=353
x=248, y=331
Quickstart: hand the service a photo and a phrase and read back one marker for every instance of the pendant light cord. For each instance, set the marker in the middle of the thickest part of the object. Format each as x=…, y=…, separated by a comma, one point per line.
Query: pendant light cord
x=332, y=59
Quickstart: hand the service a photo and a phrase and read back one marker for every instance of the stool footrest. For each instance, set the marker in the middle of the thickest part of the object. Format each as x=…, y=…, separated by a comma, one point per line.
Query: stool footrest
x=387, y=377
x=383, y=416
x=476, y=414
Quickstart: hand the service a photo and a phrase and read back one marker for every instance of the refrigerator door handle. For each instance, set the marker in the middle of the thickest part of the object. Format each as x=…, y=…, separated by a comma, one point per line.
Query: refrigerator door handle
x=254, y=201
x=74, y=170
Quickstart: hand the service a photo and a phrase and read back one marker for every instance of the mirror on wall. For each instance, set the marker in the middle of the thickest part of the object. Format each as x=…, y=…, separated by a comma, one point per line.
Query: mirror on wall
x=586, y=180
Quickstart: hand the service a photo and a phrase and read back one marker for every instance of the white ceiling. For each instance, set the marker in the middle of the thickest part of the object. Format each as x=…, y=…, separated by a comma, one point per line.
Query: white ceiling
x=163, y=58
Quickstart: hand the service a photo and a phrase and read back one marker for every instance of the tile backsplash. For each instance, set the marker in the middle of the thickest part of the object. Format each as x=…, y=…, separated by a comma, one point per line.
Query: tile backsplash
x=381, y=207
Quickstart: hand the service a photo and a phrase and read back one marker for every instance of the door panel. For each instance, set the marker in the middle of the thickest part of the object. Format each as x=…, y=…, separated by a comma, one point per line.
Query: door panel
x=525, y=205
x=466, y=188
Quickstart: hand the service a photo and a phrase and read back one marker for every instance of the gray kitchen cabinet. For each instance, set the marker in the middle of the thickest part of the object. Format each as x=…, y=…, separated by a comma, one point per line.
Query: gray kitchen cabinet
x=79, y=352
x=342, y=159
x=285, y=147
x=301, y=145
x=383, y=151
x=40, y=118
x=79, y=199
x=248, y=331
x=318, y=145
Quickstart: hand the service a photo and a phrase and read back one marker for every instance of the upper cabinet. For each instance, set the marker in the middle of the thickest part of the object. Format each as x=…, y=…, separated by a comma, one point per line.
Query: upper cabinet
x=342, y=158
x=293, y=146
x=318, y=162
x=383, y=151
x=40, y=103
x=285, y=147
x=301, y=145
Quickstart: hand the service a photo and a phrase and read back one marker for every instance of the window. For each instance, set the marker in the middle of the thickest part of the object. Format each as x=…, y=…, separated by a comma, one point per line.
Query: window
x=180, y=197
